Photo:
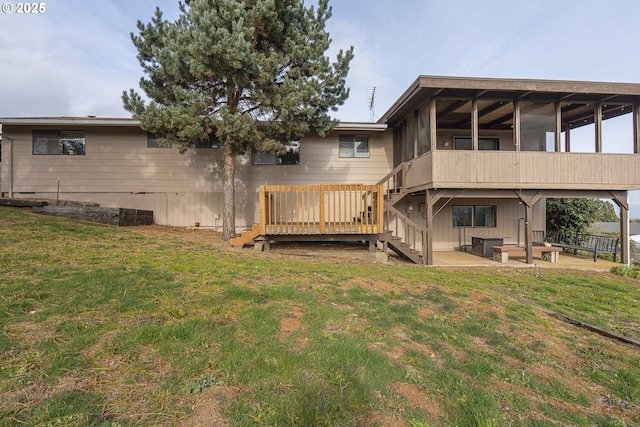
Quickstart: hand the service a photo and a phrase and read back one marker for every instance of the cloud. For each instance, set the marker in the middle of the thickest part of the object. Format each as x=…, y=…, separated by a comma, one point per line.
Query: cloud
x=366, y=72
x=75, y=59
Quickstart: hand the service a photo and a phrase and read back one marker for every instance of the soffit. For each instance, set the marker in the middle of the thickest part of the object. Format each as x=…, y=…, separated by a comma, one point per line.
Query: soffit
x=454, y=97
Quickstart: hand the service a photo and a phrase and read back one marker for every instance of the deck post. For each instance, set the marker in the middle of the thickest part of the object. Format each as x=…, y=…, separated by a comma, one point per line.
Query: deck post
x=321, y=190
x=263, y=210
x=528, y=200
x=528, y=232
x=624, y=232
x=379, y=203
x=622, y=200
x=427, y=236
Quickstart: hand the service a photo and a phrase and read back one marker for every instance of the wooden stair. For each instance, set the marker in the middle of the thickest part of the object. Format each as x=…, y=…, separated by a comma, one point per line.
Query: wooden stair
x=246, y=236
x=401, y=248
x=394, y=242
x=394, y=193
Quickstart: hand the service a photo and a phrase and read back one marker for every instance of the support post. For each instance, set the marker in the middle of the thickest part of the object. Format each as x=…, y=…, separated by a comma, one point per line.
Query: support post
x=431, y=198
x=474, y=124
x=597, y=119
x=558, y=129
x=416, y=133
x=528, y=200
x=516, y=124
x=636, y=128
x=624, y=233
x=621, y=198
x=528, y=232
x=433, y=135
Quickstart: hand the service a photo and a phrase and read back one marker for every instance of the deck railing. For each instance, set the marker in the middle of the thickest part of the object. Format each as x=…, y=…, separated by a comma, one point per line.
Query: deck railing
x=321, y=209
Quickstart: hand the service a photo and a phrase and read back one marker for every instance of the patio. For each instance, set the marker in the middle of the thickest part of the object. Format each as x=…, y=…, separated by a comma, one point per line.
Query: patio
x=463, y=259
x=350, y=250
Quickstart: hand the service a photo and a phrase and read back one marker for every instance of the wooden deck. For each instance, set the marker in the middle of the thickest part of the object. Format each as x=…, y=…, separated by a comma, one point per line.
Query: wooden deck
x=321, y=209
x=318, y=210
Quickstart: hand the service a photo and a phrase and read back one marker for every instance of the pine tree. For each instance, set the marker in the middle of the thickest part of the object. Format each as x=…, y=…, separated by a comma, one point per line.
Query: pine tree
x=252, y=73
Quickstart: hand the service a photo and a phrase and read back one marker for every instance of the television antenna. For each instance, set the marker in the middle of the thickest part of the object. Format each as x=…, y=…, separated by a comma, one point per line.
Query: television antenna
x=372, y=104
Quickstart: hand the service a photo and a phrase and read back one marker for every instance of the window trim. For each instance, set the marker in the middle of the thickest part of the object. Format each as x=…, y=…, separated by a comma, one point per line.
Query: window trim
x=473, y=216
x=212, y=143
x=155, y=144
x=352, y=139
x=277, y=158
x=59, y=138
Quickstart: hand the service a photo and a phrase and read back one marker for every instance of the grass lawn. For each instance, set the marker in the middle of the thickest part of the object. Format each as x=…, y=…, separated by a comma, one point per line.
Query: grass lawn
x=157, y=326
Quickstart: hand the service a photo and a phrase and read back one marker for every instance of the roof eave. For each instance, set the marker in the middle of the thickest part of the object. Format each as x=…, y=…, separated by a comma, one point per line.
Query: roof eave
x=361, y=127
x=67, y=121
x=426, y=83
x=96, y=121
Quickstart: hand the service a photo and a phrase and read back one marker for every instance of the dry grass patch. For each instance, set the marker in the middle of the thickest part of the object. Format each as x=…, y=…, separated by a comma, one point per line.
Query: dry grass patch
x=418, y=399
x=291, y=324
x=208, y=409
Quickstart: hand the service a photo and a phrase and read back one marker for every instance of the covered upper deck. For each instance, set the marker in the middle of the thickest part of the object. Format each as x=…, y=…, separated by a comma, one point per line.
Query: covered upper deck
x=455, y=95
x=516, y=133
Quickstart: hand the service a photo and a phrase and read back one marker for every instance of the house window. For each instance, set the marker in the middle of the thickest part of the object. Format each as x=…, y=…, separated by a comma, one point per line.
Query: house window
x=474, y=216
x=354, y=146
x=290, y=156
x=483, y=143
x=462, y=216
x=152, y=142
x=212, y=142
x=64, y=142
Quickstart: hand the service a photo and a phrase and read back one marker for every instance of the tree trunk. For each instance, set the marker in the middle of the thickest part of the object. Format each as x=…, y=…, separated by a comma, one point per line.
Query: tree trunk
x=229, y=190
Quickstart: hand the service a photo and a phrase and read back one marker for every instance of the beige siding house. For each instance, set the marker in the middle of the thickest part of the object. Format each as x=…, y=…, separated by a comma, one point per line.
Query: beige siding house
x=119, y=169
x=452, y=161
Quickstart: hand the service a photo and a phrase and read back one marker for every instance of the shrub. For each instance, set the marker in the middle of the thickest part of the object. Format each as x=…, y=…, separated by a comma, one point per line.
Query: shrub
x=623, y=270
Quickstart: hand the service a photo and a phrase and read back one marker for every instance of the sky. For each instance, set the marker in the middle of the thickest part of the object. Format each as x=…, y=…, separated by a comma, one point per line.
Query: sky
x=76, y=57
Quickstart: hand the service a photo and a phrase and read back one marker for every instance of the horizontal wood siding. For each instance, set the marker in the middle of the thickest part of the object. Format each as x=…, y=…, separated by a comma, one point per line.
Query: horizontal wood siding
x=119, y=170
x=446, y=237
x=320, y=163
x=526, y=170
x=118, y=159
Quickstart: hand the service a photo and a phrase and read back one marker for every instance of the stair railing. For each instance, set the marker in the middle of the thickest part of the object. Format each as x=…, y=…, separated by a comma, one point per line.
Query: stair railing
x=415, y=235
x=394, y=181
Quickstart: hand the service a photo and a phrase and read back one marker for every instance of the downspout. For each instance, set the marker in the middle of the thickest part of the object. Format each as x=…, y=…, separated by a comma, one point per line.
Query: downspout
x=10, y=164
x=11, y=167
